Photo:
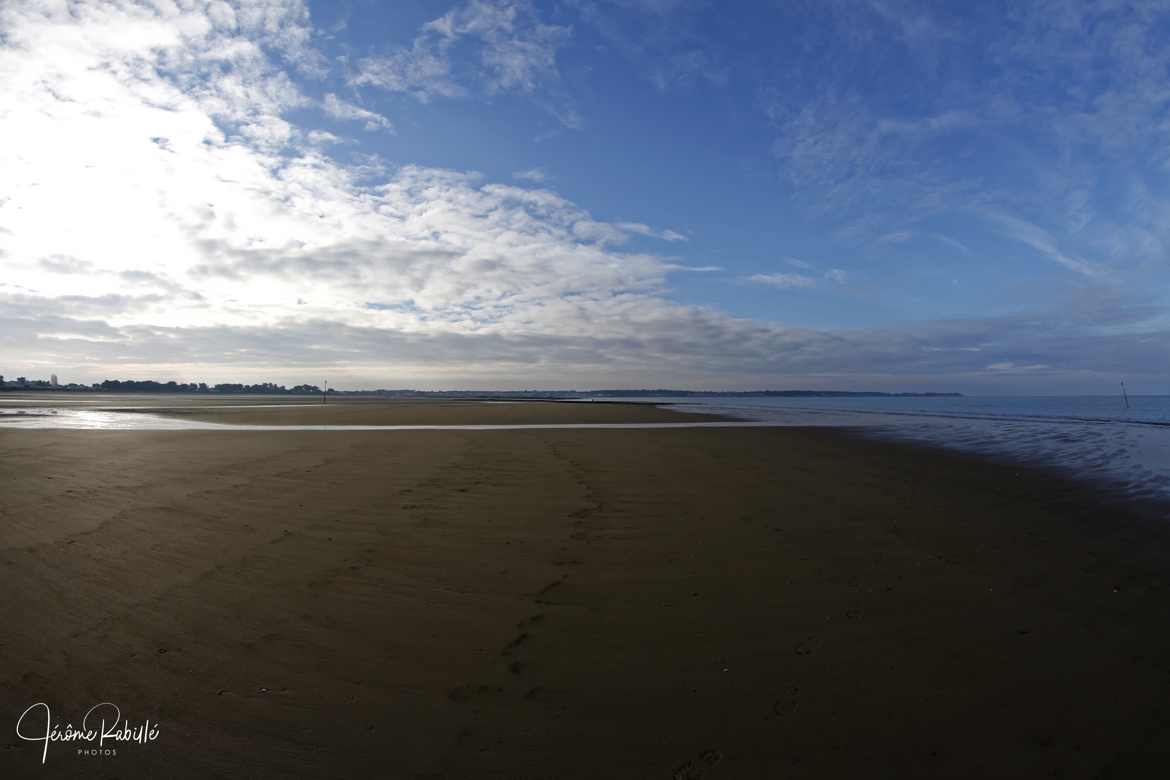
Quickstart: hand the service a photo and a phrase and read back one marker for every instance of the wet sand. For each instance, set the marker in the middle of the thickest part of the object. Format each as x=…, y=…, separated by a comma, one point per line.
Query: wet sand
x=636, y=603
x=357, y=412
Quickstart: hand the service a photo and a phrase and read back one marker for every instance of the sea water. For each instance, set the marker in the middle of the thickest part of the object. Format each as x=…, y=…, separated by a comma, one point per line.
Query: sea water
x=1091, y=437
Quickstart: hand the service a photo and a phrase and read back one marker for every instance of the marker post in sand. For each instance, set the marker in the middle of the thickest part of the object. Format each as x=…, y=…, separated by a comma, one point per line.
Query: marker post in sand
x=325, y=393
x=1124, y=395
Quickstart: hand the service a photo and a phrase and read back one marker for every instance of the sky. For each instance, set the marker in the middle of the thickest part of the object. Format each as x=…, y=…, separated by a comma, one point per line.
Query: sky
x=854, y=195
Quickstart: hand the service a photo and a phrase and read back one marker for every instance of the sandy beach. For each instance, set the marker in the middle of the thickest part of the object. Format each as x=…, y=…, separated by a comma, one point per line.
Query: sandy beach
x=557, y=603
x=432, y=412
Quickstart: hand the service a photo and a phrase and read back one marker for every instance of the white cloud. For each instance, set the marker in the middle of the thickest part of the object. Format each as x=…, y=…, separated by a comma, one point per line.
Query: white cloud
x=638, y=228
x=696, y=269
x=783, y=280
x=918, y=127
x=952, y=242
x=532, y=174
x=510, y=48
x=322, y=137
x=341, y=109
x=1008, y=366
x=796, y=280
x=183, y=217
x=64, y=264
x=423, y=70
x=1041, y=241
x=685, y=68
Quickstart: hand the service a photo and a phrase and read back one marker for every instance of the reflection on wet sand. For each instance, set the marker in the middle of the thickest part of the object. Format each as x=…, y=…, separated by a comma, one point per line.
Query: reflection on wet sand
x=59, y=419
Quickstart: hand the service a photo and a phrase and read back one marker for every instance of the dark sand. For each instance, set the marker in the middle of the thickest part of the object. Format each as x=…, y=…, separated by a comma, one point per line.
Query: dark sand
x=356, y=412
x=540, y=604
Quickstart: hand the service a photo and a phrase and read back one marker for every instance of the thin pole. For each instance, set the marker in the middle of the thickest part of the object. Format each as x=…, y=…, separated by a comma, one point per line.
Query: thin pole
x=1125, y=395
x=325, y=393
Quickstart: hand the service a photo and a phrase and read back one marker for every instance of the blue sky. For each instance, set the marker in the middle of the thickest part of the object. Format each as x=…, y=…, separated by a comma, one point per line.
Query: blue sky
x=863, y=194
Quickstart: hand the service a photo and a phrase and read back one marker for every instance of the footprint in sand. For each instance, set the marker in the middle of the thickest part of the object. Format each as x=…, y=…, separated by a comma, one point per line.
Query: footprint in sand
x=533, y=620
x=543, y=591
x=515, y=643
x=699, y=766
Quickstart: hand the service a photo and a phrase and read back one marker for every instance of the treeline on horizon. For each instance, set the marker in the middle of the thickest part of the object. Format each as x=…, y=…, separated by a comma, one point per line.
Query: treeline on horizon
x=270, y=388
x=231, y=388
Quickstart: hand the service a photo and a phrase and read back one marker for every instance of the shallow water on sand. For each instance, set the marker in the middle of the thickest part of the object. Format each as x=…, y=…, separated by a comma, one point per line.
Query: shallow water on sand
x=1089, y=437
x=100, y=419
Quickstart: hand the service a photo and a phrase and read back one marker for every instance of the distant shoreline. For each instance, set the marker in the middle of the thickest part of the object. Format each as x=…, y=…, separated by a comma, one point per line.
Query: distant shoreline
x=492, y=394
